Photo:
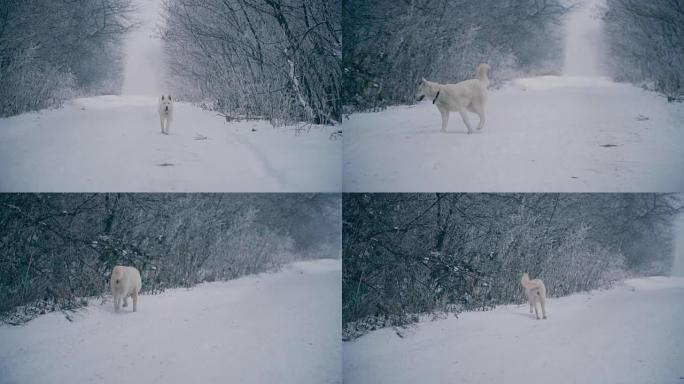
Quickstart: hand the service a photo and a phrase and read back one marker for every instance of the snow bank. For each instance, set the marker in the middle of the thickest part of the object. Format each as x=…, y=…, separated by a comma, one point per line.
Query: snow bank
x=271, y=328
x=630, y=334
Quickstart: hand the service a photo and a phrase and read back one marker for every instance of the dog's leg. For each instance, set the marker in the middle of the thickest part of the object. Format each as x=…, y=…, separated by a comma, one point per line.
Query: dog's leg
x=464, y=116
x=542, y=300
x=161, y=121
x=135, y=301
x=480, y=112
x=529, y=299
x=536, y=311
x=445, y=119
x=125, y=301
x=116, y=303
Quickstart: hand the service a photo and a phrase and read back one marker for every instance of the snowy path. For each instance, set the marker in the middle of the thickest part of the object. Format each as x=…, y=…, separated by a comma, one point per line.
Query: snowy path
x=144, y=66
x=633, y=333
x=545, y=134
x=270, y=328
x=114, y=143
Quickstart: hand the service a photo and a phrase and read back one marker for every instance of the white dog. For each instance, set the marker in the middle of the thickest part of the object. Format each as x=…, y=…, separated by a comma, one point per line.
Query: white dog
x=125, y=282
x=536, y=293
x=468, y=95
x=165, y=113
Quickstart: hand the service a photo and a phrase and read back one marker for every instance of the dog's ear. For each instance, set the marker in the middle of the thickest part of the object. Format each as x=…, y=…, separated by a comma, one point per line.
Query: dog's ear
x=423, y=80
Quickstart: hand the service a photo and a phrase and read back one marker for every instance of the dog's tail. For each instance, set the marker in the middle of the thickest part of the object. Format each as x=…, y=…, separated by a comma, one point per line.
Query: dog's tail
x=482, y=73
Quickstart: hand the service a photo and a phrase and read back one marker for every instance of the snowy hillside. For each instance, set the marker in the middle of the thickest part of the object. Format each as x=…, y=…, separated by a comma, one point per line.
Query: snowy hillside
x=270, y=328
x=114, y=143
x=542, y=134
x=631, y=334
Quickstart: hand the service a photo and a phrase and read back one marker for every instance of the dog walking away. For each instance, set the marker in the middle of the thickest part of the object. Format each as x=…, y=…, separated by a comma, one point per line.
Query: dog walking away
x=125, y=282
x=469, y=95
x=165, y=113
x=536, y=293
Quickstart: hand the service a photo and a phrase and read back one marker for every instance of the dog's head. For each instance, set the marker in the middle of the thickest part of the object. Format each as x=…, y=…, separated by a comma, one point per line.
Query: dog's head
x=118, y=273
x=423, y=89
x=166, y=103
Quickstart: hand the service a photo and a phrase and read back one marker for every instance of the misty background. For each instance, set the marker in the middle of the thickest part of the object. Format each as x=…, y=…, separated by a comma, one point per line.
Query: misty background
x=410, y=254
x=390, y=46
x=59, y=248
x=268, y=59
x=52, y=51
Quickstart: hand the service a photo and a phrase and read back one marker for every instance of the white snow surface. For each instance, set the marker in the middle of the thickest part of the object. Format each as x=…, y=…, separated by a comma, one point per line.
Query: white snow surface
x=114, y=143
x=270, y=328
x=543, y=134
x=630, y=334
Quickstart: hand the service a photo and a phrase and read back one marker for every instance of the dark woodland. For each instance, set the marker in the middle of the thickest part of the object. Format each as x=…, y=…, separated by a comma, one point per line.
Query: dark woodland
x=60, y=248
x=410, y=254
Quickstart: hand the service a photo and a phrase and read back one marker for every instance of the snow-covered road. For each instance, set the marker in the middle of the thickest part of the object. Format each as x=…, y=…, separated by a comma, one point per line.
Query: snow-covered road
x=633, y=333
x=270, y=328
x=114, y=143
x=543, y=134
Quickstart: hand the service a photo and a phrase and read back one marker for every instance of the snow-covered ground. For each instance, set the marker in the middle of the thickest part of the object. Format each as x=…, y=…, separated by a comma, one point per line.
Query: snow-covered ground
x=543, y=134
x=633, y=333
x=114, y=143
x=271, y=328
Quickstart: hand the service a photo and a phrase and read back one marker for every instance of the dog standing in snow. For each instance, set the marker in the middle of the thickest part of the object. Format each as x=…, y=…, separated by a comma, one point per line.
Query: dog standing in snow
x=536, y=293
x=125, y=282
x=165, y=113
x=469, y=95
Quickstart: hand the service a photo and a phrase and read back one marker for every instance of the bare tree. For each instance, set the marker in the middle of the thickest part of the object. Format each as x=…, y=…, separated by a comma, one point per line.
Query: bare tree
x=272, y=59
x=390, y=45
x=406, y=254
x=52, y=50
x=58, y=248
x=646, y=43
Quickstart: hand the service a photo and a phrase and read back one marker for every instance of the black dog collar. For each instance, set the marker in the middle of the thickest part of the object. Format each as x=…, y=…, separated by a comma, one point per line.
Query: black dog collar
x=436, y=96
